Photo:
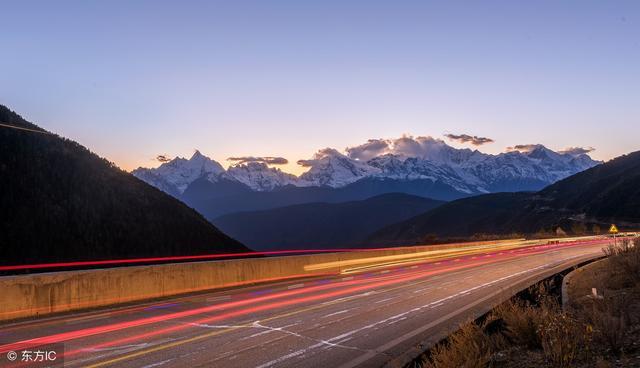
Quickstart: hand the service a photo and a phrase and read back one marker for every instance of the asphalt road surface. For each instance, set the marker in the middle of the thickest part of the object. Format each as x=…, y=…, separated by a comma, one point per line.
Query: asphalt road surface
x=381, y=317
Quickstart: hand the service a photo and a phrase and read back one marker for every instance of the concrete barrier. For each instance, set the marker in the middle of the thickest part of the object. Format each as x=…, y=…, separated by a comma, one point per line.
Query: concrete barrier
x=569, y=278
x=46, y=293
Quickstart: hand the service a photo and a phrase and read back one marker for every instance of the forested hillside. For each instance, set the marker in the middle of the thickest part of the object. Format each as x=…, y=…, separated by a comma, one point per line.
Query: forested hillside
x=59, y=201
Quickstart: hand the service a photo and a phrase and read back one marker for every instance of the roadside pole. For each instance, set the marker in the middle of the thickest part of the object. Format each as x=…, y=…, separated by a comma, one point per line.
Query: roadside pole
x=614, y=230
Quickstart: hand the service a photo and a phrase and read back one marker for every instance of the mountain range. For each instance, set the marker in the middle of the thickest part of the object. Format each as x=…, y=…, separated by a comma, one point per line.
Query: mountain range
x=61, y=202
x=442, y=172
x=587, y=202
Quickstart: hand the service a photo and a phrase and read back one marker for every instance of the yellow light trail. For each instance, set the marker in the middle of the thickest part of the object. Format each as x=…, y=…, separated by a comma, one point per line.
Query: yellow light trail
x=385, y=261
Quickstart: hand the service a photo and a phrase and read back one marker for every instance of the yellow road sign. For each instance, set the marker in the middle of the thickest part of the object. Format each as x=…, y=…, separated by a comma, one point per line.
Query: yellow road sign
x=613, y=229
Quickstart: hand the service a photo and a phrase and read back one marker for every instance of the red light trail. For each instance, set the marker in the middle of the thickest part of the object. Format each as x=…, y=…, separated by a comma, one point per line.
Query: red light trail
x=360, y=283
x=109, y=262
x=409, y=277
x=144, y=321
x=175, y=258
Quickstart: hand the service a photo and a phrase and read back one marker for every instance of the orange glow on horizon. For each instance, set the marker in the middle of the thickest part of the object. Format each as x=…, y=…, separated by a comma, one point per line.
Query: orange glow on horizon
x=129, y=165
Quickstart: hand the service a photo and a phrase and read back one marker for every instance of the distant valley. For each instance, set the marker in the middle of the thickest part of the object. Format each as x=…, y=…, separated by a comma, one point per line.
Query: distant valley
x=322, y=225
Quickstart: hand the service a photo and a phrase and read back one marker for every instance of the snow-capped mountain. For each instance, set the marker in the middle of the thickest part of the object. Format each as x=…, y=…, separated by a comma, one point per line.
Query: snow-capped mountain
x=468, y=171
x=331, y=168
x=526, y=170
x=258, y=176
x=175, y=176
x=465, y=171
x=440, y=153
x=414, y=168
x=559, y=165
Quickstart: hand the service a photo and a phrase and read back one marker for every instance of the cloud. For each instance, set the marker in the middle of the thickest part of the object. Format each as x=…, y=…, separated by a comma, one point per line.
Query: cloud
x=409, y=146
x=163, y=158
x=406, y=146
x=306, y=163
x=318, y=156
x=422, y=146
x=266, y=159
x=577, y=151
x=466, y=138
x=523, y=148
x=368, y=150
x=276, y=160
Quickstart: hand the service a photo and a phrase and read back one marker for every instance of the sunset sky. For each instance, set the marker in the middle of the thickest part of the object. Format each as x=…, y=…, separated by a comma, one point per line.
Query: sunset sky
x=286, y=78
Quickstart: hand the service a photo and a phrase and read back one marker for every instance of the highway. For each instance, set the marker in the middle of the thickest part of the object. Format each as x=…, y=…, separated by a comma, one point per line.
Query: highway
x=373, y=318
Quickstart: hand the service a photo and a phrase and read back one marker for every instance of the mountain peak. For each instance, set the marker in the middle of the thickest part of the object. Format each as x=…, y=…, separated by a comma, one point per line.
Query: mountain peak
x=541, y=152
x=197, y=156
x=328, y=167
x=175, y=176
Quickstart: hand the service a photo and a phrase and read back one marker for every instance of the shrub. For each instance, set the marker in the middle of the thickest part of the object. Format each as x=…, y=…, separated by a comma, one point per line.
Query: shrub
x=468, y=347
x=521, y=321
x=562, y=337
x=624, y=258
x=610, y=319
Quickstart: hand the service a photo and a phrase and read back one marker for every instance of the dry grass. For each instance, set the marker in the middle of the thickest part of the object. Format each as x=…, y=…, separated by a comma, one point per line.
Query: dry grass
x=545, y=326
x=561, y=339
x=616, y=312
x=610, y=319
x=624, y=259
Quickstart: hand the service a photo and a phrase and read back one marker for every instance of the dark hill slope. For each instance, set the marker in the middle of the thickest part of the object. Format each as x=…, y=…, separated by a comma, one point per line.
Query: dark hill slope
x=607, y=193
x=321, y=225
x=485, y=214
x=217, y=199
x=60, y=202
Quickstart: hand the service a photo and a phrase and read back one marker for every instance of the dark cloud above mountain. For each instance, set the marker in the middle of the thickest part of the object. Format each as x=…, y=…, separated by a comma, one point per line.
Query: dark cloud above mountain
x=319, y=156
x=368, y=150
x=466, y=138
x=307, y=163
x=576, y=151
x=421, y=146
x=266, y=159
x=407, y=146
x=523, y=147
x=162, y=158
